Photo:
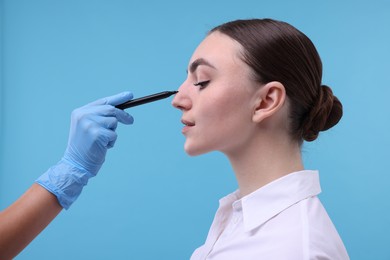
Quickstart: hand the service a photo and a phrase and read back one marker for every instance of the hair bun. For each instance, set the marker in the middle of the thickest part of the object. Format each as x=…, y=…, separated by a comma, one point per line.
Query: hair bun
x=325, y=114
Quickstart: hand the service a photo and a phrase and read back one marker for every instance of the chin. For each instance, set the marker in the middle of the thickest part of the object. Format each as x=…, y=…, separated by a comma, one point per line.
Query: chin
x=192, y=150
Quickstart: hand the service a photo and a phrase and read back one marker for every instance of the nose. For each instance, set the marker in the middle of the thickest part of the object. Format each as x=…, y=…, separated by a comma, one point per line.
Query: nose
x=182, y=99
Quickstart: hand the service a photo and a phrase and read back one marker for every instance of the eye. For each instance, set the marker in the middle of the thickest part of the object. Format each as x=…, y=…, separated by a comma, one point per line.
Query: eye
x=202, y=84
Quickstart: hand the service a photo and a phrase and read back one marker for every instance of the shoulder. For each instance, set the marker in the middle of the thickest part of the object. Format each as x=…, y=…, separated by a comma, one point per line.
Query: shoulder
x=322, y=240
x=303, y=231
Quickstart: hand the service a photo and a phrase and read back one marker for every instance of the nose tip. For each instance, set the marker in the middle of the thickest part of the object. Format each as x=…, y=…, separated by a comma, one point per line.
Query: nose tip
x=174, y=102
x=181, y=100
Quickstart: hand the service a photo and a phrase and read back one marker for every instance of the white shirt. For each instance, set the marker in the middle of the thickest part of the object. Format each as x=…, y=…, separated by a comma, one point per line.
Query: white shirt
x=282, y=220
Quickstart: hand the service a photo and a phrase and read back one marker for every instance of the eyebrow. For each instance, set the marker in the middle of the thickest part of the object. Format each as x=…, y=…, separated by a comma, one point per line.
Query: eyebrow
x=196, y=63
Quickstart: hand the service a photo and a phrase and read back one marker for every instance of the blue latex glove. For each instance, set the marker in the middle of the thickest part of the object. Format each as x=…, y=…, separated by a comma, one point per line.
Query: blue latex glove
x=92, y=132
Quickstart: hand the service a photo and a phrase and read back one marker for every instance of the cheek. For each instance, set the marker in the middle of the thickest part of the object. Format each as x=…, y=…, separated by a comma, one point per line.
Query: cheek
x=226, y=117
x=231, y=107
x=233, y=123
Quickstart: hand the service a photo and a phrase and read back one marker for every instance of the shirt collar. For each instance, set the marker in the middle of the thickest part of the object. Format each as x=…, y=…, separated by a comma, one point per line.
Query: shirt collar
x=271, y=199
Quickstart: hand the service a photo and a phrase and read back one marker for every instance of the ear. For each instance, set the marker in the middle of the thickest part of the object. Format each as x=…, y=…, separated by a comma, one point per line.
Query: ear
x=270, y=99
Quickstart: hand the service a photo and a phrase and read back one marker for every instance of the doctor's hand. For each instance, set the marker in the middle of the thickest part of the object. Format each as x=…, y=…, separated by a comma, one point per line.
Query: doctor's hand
x=92, y=132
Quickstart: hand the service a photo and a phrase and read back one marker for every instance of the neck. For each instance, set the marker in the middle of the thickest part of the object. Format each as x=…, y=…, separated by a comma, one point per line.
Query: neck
x=263, y=161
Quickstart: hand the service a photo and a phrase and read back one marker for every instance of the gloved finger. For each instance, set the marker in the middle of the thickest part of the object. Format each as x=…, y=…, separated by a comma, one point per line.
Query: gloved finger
x=96, y=110
x=110, y=123
x=113, y=100
x=105, y=122
x=88, y=111
x=124, y=117
x=107, y=138
x=109, y=111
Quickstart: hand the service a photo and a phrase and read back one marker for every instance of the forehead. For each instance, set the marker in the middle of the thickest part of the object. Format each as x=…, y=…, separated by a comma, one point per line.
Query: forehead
x=220, y=50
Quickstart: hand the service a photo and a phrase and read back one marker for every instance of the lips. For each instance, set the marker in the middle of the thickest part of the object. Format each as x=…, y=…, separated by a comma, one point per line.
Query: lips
x=187, y=126
x=187, y=123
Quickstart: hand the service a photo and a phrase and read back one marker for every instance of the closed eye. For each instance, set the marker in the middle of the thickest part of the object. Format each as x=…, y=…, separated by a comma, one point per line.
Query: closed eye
x=202, y=84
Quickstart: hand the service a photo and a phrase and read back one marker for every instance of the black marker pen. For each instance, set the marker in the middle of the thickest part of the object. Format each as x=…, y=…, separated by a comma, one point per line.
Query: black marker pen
x=146, y=99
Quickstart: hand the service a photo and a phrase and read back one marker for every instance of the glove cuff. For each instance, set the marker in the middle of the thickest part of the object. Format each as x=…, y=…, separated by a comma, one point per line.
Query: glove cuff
x=65, y=181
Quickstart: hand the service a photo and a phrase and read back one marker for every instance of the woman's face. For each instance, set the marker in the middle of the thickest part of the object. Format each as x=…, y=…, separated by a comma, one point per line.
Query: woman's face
x=217, y=98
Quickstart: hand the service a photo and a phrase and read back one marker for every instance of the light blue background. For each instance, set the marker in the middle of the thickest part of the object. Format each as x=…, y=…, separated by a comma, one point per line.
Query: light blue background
x=150, y=200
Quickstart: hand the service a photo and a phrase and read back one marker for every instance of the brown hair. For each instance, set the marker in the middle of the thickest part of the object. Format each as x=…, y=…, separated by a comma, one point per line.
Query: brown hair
x=276, y=51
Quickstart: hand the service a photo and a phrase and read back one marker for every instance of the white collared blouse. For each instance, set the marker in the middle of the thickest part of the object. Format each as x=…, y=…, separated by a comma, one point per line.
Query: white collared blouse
x=282, y=220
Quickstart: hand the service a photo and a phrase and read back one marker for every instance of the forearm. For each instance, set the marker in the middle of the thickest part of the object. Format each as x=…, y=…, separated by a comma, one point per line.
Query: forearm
x=21, y=222
x=92, y=133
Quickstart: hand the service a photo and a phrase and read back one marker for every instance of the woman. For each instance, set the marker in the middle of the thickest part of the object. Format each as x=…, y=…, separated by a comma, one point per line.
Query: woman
x=254, y=93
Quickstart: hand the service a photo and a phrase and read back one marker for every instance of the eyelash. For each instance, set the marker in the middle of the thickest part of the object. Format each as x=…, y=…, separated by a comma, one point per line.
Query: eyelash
x=202, y=84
